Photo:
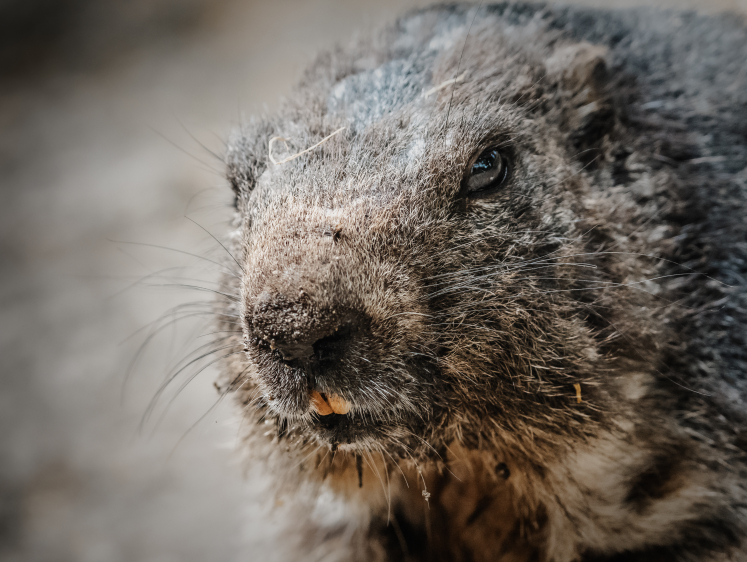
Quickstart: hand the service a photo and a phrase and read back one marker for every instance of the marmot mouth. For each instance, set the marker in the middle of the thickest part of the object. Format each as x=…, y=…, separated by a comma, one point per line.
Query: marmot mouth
x=332, y=417
x=334, y=423
x=343, y=429
x=328, y=404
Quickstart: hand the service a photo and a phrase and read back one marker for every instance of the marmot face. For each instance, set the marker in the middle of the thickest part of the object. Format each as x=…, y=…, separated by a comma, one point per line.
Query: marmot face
x=422, y=268
x=487, y=247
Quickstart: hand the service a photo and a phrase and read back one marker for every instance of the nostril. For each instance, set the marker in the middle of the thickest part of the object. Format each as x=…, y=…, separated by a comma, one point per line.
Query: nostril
x=333, y=345
x=294, y=350
x=301, y=334
x=307, y=350
x=300, y=354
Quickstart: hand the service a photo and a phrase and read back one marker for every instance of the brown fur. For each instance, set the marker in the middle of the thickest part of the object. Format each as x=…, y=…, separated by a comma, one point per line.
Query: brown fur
x=472, y=326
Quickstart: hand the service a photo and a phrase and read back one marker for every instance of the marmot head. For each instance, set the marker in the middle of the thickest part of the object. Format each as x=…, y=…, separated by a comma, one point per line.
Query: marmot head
x=430, y=269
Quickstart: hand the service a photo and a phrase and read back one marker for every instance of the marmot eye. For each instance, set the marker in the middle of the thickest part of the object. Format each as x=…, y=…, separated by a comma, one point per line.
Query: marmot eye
x=488, y=172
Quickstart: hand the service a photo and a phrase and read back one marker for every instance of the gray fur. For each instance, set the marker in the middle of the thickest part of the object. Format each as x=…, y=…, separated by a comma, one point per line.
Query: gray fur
x=613, y=262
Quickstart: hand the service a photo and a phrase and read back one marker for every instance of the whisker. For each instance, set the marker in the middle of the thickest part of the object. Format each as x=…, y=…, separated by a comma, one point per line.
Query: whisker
x=197, y=288
x=178, y=251
x=162, y=388
x=219, y=242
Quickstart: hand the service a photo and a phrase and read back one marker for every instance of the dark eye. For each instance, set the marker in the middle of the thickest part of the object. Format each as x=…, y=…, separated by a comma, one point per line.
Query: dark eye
x=488, y=172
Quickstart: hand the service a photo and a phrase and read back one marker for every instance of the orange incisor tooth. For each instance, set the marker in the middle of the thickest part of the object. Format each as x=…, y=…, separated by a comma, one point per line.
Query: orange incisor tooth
x=328, y=404
x=338, y=404
x=320, y=404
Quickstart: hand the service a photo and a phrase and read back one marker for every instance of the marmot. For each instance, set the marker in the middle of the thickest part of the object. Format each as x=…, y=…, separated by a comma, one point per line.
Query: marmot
x=488, y=299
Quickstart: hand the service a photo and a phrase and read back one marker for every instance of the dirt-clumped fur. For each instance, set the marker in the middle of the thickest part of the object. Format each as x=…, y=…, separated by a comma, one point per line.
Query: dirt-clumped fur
x=550, y=369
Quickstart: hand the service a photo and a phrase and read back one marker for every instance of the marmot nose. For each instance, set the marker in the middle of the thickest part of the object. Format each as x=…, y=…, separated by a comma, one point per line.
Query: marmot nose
x=303, y=333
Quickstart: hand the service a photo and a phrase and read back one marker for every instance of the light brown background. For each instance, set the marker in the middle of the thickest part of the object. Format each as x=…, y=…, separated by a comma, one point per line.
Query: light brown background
x=103, y=107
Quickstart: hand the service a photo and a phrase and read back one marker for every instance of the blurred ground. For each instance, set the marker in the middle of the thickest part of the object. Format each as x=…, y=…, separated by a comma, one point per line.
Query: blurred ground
x=104, y=106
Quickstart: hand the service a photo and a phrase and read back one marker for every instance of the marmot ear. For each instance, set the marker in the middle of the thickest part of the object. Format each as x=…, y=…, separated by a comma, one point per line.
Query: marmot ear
x=246, y=157
x=587, y=111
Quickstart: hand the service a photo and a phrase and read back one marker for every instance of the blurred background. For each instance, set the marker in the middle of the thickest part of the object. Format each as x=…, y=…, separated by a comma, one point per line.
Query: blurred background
x=109, y=113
